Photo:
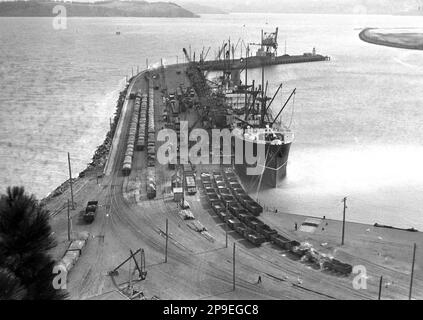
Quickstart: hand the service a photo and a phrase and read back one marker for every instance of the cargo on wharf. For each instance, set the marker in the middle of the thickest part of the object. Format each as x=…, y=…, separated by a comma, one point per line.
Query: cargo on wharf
x=231, y=203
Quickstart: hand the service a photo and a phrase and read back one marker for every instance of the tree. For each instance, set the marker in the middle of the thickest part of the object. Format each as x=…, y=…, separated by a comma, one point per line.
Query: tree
x=25, y=240
x=10, y=286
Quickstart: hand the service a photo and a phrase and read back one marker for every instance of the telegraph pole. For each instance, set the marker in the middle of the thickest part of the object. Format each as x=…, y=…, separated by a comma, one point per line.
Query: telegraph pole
x=233, y=270
x=343, y=219
x=70, y=181
x=167, y=238
x=380, y=287
x=226, y=234
x=412, y=272
x=68, y=221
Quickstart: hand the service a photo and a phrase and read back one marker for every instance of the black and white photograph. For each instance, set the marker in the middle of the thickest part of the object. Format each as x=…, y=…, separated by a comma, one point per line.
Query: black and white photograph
x=232, y=151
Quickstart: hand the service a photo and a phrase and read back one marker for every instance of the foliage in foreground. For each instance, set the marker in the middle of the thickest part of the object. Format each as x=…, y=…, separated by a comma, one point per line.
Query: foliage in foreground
x=26, y=269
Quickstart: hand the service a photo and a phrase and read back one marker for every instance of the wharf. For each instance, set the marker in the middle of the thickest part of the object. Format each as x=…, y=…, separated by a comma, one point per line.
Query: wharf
x=258, y=62
x=200, y=267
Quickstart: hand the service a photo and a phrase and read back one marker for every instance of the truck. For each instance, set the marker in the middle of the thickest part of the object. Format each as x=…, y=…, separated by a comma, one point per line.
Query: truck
x=179, y=92
x=190, y=184
x=90, y=211
x=151, y=190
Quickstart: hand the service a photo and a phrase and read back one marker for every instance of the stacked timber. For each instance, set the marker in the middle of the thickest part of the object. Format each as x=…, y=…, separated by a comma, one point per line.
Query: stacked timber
x=133, y=128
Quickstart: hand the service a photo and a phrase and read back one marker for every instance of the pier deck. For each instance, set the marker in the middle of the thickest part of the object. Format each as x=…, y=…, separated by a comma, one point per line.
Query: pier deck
x=201, y=268
x=257, y=62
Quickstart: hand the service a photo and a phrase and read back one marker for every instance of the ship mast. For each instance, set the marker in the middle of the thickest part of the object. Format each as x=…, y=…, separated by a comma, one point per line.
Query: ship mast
x=263, y=101
x=283, y=107
x=246, y=77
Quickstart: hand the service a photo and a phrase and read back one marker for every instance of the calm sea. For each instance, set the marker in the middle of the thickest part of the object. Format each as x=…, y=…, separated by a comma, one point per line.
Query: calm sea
x=358, y=118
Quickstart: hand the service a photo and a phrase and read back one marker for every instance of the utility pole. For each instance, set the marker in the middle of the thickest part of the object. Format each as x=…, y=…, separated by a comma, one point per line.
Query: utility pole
x=167, y=238
x=70, y=181
x=177, y=60
x=226, y=234
x=141, y=263
x=380, y=287
x=233, y=259
x=68, y=221
x=412, y=272
x=130, y=278
x=146, y=62
x=343, y=220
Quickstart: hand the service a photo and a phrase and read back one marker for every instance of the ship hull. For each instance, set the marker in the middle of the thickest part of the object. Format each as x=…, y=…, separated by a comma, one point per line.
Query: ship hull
x=275, y=168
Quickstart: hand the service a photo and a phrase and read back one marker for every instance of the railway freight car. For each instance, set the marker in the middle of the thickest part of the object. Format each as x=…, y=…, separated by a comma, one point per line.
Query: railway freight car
x=133, y=128
x=142, y=125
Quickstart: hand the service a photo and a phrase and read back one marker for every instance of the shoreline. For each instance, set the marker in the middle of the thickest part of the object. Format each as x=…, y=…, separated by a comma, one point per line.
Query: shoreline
x=101, y=153
x=366, y=37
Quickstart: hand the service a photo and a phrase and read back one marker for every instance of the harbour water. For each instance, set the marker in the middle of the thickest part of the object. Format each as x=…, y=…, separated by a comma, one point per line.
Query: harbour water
x=357, y=118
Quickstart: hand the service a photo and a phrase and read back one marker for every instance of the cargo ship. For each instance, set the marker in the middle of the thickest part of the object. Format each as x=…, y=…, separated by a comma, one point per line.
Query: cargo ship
x=260, y=143
x=246, y=110
x=267, y=140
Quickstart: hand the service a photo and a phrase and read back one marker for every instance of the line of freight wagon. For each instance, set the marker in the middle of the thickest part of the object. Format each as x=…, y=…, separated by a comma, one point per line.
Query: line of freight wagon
x=151, y=144
x=133, y=128
x=142, y=125
x=233, y=205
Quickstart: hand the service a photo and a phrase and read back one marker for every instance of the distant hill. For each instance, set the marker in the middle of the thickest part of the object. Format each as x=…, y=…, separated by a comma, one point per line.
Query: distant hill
x=405, y=7
x=97, y=9
x=201, y=9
